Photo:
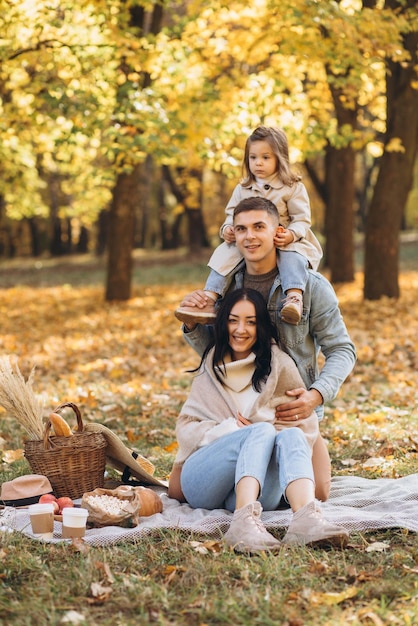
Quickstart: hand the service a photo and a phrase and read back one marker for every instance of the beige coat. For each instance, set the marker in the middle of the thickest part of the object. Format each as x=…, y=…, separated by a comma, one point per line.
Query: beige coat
x=294, y=213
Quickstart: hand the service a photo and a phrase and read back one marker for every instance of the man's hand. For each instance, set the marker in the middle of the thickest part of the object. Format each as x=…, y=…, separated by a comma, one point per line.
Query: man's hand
x=301, y=407
x=195, y=298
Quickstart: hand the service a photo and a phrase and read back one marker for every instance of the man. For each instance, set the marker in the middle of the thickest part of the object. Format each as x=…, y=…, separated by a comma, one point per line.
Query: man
x=321, y=328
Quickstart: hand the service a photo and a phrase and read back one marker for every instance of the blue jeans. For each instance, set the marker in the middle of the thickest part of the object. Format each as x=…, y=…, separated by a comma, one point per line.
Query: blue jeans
x=215, y=282
x=275, y=459
x=293, y=269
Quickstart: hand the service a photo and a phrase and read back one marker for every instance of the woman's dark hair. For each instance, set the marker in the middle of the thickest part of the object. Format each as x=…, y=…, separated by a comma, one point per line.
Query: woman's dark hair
x=266, y=332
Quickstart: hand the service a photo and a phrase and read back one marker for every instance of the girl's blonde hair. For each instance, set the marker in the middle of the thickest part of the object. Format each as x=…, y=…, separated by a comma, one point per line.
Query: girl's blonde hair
x=277, y=140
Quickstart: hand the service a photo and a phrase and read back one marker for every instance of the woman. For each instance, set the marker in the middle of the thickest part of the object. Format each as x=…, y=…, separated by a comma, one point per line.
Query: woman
x=232, y=454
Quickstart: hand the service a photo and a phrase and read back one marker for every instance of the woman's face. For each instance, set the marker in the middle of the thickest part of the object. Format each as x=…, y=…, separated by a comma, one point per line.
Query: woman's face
x=242, y=329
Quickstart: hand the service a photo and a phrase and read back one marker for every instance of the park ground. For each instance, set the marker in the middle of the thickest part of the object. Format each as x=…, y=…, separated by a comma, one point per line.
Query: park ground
x=125, y=365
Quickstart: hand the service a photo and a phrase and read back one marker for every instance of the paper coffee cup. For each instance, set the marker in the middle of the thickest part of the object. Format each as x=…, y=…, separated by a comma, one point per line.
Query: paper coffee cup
x=42, y=520
x=74, y=522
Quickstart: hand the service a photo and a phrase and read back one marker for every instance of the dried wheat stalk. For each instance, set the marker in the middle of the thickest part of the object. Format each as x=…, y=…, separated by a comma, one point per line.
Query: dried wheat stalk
x=18, y=398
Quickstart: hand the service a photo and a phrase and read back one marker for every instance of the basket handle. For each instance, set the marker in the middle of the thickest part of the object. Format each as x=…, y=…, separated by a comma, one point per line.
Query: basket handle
x=47, y=441
x=77, y=412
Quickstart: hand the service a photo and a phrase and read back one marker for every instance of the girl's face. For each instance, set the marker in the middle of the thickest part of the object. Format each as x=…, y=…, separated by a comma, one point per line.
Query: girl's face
x=242, y=329
x=261, y=159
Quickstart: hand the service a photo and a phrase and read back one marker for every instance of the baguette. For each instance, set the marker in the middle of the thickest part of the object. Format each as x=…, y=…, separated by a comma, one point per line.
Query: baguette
x=60, y=426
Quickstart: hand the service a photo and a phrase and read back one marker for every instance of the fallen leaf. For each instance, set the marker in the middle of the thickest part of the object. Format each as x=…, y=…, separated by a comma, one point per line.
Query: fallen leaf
x=414, y=570
x=377, y=546
x=73, y=617
x=349, y=462
x=171, y=447
x=331, y=598
x=99, y=593
x=79, y=545
x=318, y=567
x=367, y=614
x=130, y=435
x=104, y=567
x=364, y=576
x=9, y=456
x=374, y=462
x=170, y=571
x=205, y=547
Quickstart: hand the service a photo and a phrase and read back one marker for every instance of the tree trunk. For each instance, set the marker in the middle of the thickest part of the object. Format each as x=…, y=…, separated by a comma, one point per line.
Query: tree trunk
x=339, y=216
x=192, y=203
x=121, y=236
x=125, y=194
x=83, y=241
x=34, y=236
x=102, y=232
x=394, y=181
x=340, y=193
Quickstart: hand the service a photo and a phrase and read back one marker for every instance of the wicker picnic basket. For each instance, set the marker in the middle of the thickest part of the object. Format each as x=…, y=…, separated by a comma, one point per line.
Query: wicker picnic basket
x=74, y=464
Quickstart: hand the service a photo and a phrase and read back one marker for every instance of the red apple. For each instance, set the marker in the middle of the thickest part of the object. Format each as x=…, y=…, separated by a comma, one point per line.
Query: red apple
x=50, y=498
x=64, y=502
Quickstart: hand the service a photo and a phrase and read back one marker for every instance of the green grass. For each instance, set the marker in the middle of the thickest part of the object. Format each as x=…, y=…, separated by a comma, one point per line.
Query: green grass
x=161, y=580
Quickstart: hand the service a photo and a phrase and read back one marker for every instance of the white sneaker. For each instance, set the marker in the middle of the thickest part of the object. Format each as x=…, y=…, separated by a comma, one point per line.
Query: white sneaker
x=308, y=527
x=247, y=532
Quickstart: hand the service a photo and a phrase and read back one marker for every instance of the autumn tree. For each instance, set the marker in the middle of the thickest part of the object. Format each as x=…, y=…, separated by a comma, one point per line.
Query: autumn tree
x=55, y=83
x=395, y=176
x=316, y=69
x=126, y=196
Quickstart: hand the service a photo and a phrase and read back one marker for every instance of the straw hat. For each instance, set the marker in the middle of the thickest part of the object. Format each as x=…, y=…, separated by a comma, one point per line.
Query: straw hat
x=24, y=490
x=126, y=461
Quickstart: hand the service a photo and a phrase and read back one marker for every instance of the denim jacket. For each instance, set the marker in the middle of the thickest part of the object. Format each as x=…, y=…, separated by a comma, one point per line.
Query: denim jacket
x=321, y=329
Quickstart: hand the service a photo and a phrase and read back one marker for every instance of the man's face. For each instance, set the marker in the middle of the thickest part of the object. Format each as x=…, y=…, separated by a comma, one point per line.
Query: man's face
x=254, y=236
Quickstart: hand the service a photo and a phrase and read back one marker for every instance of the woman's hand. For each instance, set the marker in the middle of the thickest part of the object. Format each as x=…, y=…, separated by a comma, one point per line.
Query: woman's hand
x=241, y=420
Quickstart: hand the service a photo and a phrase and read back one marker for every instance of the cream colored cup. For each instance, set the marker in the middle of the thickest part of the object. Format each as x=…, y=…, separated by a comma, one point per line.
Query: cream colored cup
x=74, y=522
x=42, y=520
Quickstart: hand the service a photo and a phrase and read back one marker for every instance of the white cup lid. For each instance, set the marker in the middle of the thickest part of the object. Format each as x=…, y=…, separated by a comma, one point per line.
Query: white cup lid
x=45, y=507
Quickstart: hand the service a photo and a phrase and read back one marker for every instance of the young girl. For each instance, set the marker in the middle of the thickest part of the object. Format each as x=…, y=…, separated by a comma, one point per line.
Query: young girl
x=233, y=453
x=267, y=173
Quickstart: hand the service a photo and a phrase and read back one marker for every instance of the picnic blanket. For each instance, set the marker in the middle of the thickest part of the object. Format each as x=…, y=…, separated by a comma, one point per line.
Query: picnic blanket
x=358, y=504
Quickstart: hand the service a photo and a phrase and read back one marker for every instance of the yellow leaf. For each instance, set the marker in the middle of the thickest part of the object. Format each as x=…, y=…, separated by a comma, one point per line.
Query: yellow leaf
x=374, y=418
x=395, y=145
x=170, y=571
x=9, y=456
x=117, y=372
x=205, y=547
x=130, y=435
x=171, y=446
x=333, y=597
